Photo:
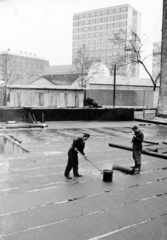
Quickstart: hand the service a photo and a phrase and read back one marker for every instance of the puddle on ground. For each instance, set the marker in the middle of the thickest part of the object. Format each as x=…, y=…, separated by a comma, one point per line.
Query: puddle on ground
x=10, y=147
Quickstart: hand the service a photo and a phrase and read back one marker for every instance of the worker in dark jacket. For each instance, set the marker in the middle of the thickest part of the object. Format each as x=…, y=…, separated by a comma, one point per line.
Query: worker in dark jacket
x=77, y=146
x=137, y=140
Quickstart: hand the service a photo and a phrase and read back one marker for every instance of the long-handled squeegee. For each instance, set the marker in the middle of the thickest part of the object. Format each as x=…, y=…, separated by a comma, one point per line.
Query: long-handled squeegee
x=107, y=174
x=89, y=161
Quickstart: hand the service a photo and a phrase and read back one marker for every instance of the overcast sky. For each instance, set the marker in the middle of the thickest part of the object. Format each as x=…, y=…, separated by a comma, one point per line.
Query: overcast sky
x=44, y=27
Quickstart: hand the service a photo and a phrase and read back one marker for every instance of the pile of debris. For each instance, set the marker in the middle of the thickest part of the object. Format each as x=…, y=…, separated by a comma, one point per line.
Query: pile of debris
x=89, y=102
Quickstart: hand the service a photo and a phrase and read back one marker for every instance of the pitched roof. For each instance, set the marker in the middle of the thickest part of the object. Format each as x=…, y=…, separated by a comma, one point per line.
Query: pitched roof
x=62, y=79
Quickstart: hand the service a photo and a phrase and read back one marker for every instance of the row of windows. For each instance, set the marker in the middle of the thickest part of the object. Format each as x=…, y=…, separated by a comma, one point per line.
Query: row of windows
x=134, y=20
x=100, y=27
x=109, y=42
x=103, y=47
x=96, y=34
x=109, y=62
x=19, y=72
x=20, y=65
x=134, y=13
x=100, y=20
x=105, y=53
x=101, y=12
x=134, y=28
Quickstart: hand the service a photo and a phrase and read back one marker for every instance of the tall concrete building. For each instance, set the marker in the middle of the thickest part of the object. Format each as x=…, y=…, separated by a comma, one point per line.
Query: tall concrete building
x=96, y=29
x=21, y=66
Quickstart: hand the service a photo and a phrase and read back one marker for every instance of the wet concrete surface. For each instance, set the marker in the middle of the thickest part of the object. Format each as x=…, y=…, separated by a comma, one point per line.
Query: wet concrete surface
x=37, y=202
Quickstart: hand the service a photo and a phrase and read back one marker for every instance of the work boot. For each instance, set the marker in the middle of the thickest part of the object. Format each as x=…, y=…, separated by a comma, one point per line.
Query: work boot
x=77, y=175
x=133, y=167
x=68, y=176
x=136, y=170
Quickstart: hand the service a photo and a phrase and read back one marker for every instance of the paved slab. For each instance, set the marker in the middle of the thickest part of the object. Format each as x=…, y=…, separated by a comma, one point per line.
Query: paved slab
x=37, y=202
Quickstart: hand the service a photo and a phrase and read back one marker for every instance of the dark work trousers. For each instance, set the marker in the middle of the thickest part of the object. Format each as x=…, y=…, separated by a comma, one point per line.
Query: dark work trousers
x=72, y=162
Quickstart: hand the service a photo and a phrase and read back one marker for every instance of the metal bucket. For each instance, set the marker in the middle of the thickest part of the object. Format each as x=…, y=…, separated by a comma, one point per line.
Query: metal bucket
x=107, y=175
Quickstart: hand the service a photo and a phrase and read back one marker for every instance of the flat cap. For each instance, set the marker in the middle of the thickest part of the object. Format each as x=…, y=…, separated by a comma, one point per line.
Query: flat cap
x=86, y=135
x=134, y=127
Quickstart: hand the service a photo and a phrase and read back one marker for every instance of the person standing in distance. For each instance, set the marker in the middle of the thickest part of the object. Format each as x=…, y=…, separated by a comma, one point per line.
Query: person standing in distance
x=137, y=140
x=77, y=146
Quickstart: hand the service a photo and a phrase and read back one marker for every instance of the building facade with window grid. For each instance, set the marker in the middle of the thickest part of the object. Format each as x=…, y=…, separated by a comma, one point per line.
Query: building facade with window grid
x=96, y=30
x=18, y=65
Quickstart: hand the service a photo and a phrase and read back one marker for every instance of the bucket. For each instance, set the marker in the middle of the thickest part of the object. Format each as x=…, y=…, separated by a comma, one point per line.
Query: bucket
x=107, y=175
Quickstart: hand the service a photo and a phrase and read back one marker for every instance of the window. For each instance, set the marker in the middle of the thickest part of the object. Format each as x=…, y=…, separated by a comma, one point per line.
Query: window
x=134, y=20
x=9, y=64
x=75, y=30
x=124, y=9
x=103, y=47
x=104, y=26
x=134, y=13
x=98, y=13
x=97, y=48
x=75, y=17
x=134, y=28
x=91, y=35
x=97, y=40
x=75, y=37
x=97, y=54
x=75, y=24
x=104, y=12
x=117, y=10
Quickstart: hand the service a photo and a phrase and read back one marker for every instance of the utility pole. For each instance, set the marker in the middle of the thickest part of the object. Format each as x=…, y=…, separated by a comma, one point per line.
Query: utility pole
x=162, y=103
x=114, y=95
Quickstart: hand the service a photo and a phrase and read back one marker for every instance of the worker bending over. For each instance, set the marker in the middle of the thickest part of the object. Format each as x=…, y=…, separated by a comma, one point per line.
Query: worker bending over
x=77, y=146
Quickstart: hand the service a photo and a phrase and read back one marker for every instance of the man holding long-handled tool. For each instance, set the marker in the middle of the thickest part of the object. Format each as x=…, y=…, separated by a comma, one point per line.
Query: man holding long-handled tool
x=77, y=146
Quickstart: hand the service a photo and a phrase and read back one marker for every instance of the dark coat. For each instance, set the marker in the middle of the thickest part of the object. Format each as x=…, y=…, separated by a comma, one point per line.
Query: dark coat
x=79, y=144
x=137, y=140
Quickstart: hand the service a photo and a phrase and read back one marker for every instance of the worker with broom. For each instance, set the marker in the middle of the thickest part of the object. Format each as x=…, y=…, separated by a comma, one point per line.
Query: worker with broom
x=137, y=140
x=77, y=146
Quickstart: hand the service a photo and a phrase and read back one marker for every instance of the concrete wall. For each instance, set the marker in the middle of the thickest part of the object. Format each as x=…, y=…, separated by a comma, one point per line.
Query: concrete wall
x=116, y=114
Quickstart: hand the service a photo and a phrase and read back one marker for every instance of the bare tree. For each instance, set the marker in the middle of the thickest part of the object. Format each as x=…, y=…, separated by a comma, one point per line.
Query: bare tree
x=84, y=64
x=8, y=74
x=133, y=52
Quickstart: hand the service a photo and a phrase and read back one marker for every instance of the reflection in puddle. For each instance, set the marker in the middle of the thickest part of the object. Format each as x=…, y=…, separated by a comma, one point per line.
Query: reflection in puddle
x=10, y=147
